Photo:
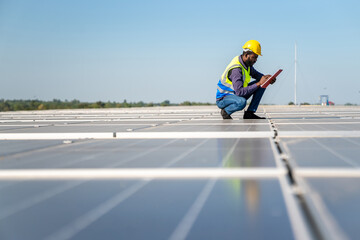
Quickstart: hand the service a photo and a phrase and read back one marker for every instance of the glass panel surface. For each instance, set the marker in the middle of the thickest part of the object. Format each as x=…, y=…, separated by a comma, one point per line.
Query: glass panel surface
x=324, y=152
x=125, y=209
x=341, y=197
x=142, y=153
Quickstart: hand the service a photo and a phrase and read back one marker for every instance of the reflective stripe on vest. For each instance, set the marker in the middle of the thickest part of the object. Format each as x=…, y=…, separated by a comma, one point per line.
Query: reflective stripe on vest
x=225, y=86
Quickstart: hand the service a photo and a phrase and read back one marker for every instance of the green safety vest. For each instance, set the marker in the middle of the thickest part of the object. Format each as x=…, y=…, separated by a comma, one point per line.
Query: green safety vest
x=225, y=85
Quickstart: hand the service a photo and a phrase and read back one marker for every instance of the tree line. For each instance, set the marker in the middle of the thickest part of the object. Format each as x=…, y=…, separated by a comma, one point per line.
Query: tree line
x=17, y=105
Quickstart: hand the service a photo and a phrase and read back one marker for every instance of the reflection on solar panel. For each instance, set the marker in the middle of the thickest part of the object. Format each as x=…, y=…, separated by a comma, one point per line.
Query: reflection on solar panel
x=180, y=173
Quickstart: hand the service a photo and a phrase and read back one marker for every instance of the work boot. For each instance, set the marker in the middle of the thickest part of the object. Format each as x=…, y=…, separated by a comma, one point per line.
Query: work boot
x=225, y=115
x=251, y=115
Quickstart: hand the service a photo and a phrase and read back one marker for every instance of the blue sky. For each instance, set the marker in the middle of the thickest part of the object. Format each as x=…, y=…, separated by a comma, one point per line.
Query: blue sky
x=153, y=51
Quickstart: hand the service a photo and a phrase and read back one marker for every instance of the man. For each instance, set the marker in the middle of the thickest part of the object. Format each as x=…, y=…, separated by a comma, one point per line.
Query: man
x=234, y=87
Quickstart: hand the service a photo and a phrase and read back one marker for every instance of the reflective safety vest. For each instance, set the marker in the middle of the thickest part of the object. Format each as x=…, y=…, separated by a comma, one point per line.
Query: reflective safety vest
x=225, y=86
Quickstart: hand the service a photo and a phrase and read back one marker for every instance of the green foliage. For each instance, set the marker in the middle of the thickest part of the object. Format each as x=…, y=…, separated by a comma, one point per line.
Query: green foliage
x=291, y=103
x=18, y=105
x=188, y=103
x=165, y=103
x=350, y=104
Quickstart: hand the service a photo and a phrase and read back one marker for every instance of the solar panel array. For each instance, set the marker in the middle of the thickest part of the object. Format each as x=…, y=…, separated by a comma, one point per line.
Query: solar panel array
x=180, y=173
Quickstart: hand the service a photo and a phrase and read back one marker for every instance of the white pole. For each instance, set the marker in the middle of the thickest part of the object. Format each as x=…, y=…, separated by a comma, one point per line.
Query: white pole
x=295, y=77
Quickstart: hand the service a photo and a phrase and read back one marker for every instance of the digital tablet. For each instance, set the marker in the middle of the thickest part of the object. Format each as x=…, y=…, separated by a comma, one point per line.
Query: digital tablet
x=267, y=82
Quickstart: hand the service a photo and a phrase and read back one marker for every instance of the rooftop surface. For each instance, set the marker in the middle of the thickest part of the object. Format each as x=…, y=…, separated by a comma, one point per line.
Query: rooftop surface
x=180, y=173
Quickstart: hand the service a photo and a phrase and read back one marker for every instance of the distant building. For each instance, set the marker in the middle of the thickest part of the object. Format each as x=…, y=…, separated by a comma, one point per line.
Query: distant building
x=324, y=100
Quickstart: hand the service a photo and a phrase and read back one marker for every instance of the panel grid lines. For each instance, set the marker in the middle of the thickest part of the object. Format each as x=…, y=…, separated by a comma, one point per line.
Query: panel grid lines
x=287, y=175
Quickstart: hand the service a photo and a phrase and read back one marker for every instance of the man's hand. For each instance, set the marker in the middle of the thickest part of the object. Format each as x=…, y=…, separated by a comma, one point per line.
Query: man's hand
x=262, y=80
x=273, y=81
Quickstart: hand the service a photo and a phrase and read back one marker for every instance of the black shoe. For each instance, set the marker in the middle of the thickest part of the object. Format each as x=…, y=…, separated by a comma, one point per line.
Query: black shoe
x=251, y=115
x=225, y=115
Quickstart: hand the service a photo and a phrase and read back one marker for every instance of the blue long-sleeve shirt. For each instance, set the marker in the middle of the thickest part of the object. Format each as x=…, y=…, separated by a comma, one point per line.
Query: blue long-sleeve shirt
x=236, y=76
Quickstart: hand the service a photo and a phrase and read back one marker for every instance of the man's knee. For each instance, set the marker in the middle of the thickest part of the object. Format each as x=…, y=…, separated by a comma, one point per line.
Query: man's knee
x=240, y=104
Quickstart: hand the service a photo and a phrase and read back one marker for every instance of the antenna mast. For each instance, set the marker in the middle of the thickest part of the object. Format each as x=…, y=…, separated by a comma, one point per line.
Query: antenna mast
x=295, y=77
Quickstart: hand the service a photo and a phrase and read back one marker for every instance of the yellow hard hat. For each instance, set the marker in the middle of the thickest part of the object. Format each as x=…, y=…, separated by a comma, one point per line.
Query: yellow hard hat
x=254, y=46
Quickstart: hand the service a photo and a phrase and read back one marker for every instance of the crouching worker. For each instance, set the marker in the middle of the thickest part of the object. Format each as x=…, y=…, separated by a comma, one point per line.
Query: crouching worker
x=234, y=87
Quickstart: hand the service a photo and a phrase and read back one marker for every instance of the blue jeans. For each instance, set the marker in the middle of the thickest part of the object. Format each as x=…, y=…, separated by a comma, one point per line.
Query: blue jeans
x=233, y=103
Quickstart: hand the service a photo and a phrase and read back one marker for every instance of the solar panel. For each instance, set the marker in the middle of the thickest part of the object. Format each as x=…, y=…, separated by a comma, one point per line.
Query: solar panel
x=179, y=173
